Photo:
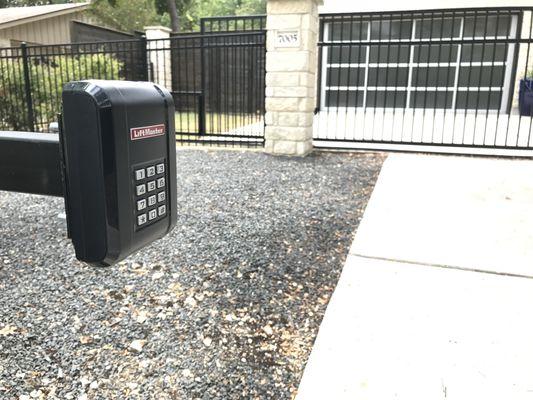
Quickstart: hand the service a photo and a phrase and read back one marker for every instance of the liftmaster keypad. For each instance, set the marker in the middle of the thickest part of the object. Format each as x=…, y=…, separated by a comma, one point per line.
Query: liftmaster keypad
x=150, y=192
x=119, y=167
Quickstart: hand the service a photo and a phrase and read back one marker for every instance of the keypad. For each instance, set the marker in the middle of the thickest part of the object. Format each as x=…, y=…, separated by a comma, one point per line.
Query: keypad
x=149, y=182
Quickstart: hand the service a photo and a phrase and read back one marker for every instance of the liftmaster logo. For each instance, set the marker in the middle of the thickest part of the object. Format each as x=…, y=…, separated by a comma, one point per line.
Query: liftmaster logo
x=145, y=132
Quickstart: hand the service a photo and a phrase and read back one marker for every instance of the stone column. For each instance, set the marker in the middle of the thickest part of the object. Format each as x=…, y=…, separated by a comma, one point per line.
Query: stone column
x=158, y=59
x=291, y=65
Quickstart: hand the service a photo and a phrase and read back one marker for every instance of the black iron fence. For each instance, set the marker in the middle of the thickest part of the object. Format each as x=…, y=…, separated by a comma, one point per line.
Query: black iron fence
x=218, y=84
x=439, y=77
x=217, y=81
x=32, y=77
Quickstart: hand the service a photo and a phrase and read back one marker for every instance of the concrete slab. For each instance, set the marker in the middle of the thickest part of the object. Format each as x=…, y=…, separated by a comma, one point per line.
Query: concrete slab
x=456, y=211
x=403, y=331
x=436, y=297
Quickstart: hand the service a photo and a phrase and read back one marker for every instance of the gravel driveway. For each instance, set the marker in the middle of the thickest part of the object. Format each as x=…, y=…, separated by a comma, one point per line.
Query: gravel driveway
x=225, y=307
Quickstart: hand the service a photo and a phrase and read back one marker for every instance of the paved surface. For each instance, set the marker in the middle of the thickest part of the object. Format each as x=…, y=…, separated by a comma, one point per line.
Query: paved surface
x=436, y=297
x=225, y=307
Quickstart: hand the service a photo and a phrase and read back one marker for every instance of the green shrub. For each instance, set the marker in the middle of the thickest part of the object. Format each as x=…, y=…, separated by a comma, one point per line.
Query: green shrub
x=48, y=74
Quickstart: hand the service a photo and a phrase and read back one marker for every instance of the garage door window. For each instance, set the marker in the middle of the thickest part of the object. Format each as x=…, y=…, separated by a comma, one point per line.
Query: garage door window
x=419, y=62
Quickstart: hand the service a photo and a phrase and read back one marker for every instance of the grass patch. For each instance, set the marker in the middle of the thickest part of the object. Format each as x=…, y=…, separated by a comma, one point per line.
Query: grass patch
x=187, y=122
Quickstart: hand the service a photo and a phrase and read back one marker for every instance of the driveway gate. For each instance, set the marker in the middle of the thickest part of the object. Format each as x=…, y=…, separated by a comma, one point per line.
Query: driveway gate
x=218, y=82
x=446, y=78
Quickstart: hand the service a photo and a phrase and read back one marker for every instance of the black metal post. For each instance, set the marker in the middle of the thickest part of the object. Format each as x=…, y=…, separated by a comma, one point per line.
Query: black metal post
x=202, y=109
x=27, y=86
x=201, y=114
x=144, y=58
x=38, y=170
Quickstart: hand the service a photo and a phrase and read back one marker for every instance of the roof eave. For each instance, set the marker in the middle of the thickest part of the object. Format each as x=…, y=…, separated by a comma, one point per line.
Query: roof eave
x=39, y=17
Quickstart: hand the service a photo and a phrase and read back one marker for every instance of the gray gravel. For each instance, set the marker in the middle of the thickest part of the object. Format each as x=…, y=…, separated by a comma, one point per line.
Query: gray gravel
x=226, y=307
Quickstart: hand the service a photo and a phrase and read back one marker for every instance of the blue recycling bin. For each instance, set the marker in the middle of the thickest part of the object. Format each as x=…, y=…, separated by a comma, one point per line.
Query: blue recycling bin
x=525, y=97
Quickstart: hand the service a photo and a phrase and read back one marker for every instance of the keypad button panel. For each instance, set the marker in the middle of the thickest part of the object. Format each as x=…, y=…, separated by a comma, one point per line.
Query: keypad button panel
x=150, y=192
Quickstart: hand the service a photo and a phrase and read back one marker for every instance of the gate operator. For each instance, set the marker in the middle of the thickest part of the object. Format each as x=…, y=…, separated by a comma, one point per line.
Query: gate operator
x=118, y=162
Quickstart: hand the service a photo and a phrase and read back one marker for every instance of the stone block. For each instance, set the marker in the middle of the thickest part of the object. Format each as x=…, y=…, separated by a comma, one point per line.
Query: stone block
x=290, y=6
x=305, y=119
x=283, y=104
x=282, y=79
x=292, y=133
x=289, y=118
x=307, y=79
x=277, y=61
x=284, y=147
x=304, y=148
x=294, y=91
x=271, y=118
x=283, y=21
x=306, y=104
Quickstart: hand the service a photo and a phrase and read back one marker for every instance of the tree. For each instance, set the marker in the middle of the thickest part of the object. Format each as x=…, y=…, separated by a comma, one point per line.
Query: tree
x=126, y=15
x=174, y=8
x=174, y=18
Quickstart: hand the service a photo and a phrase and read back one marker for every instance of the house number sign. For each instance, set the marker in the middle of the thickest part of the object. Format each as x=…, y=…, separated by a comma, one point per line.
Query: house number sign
x=287, y=38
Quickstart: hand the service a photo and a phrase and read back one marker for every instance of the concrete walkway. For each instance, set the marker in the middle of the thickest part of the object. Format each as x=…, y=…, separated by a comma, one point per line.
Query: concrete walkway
x=436, y=298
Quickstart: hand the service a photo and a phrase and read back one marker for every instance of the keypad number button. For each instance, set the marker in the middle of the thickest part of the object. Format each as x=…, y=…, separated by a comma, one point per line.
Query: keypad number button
x=151, y=201
x=162, y=210
x=141, y=204
x=150, y=171
x=161, y=182
x=140, y=189
x=152, y=214
x=161, y=196
x=160, y=168
x=151, y=186
x=141, y=219
x=139, y=174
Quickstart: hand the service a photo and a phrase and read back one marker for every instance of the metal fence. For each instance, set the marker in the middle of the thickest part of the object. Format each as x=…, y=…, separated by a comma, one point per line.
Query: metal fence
x=454, y=78
x=218, y=85
x=31, y=77
x=217, y=80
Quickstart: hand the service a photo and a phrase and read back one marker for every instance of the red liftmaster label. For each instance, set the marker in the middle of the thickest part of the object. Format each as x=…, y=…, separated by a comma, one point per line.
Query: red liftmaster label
x=145, y=132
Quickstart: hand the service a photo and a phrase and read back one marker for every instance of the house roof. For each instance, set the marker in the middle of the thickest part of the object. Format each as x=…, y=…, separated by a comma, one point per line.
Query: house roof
x=21, y=15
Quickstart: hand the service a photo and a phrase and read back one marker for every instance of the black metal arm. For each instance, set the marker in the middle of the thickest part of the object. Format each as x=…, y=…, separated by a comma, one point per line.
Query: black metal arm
x=30, y=163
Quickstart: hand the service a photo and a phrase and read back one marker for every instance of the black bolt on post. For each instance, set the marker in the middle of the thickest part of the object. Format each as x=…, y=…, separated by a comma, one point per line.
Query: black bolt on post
x=27, y=86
